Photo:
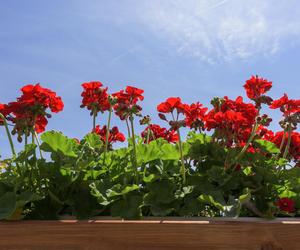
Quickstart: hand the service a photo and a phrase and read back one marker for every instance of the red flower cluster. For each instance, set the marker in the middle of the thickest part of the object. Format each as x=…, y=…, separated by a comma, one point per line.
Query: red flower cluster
x=286, y=205
x=233, y=119
x=286, y=105
x=29, y=111
x=158, y=132
x=3, y=111
x=95, y=97
x=255, y=87
x=114, y=134
x=127, y=102
x=171, y=104
x=39, y=98
x=294, y=148
x=195, y=115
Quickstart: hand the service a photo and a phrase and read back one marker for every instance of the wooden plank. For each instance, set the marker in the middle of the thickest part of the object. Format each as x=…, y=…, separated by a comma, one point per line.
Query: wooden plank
x=214, y=234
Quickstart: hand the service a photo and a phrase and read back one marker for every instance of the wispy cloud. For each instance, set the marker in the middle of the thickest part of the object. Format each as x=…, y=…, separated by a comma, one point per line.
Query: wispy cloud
x=216, y=30
x=124, y=54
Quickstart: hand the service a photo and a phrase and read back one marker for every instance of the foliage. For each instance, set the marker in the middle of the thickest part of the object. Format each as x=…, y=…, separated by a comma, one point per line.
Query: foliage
x=230, y=164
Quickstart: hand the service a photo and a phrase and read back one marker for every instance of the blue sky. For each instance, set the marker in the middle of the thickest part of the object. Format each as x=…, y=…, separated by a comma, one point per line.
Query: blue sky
x=195, y=49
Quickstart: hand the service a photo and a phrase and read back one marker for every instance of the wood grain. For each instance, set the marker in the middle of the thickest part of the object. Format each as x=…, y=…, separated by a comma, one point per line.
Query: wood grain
x=213, y=234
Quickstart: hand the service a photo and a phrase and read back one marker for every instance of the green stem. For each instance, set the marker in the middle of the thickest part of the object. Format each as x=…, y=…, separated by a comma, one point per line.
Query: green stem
x=182, y=169
x=128, y=129
x=39, y=144
x=8, y=135
x=32, y=133
x=287, y=147
x=94, y=120
x=134, y=159
x=282, y=141
x=107, y=130
x=250, y=139
x=148, y=135
x=281, y=145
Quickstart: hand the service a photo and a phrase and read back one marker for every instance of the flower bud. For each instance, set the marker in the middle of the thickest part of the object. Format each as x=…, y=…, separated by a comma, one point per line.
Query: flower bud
x=145, y=120
x=162, y=116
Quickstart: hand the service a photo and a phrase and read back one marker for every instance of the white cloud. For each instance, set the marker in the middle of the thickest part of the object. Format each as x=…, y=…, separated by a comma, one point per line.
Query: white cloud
x=223, y=30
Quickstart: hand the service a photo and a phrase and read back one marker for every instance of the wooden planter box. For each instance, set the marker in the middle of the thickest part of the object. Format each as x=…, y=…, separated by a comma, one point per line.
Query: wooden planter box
x=171, y=233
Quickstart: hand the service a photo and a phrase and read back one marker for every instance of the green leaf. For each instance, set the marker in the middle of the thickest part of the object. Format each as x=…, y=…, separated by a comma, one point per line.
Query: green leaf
x=93, y=140
x=102, y=200
x=170, y=152
x=198, y=138
x=247, y=171
x=192, y=207
x=117, y=190
x=55, y=198
x=246, y=196
x=162, y=209
x=129, y=208
x=26, y=153
x=288, y=193
x=160, y=192
x=209, y=199
x=25, y=197
x=267, y=146
x=149, y=178
x=148, y=152
x=185, y=191
x=5, y=187
x=56, y=142
x=282, y=162
x=7, y=205
x=94, y=174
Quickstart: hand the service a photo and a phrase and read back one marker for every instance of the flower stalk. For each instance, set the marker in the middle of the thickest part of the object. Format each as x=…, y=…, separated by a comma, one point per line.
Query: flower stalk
x=128, y=129
x=182, y=169
x=287, y=147
x=107, y=129
x=134, y=158
x=94, y=120
x=250, y=139
x=38, y=144
x=148, y=136
x=12, y=147
x=282, y=141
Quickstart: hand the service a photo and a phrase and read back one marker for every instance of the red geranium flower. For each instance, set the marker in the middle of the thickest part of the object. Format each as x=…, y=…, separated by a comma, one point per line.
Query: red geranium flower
x=286, y=105
x=4, y=111
x=30, y=110
x=256, y=86
x=35, y=96
x=127, y=102
x=94, y=97
x=195, y=115
x=286, y=205
x=171, y=104
x=233, y=120
x=134, y=94
x=158, y=132
x=114, y=134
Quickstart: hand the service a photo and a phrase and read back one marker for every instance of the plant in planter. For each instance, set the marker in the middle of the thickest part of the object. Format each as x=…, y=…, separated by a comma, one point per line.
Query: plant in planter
x=229, y=164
